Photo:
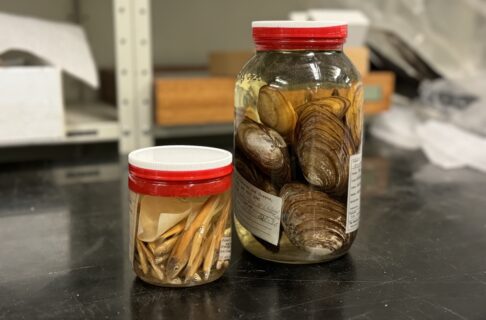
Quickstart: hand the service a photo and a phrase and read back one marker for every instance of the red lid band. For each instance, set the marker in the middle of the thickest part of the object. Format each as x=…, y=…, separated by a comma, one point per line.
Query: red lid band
x=180, y=175
x=179, y=188
x=300, y=38
x=298, y=44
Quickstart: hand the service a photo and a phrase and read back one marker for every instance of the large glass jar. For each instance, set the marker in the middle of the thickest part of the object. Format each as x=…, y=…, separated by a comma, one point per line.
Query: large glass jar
x=180, y=223
x=298, y=140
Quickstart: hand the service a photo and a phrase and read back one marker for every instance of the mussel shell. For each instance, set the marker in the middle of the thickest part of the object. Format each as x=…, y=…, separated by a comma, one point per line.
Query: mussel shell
x=291, y=189
x=266, y=149
x=323, y=148
x=298, y=97
x=354, y=114
x=246, y=169
x=276, y=112
x=333, y=128
x=268, y=187
x=336, y=104
x=312, y=220
x=251, y=174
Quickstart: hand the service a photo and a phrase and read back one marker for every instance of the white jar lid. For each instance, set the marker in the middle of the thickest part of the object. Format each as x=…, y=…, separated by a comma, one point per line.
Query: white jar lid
x=180, y=158
x=298, y=24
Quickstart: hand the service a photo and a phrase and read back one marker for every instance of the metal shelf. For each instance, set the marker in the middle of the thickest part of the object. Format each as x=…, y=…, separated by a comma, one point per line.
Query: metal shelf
x=130, y=123
x=134, y=77
x=91, y=123
x=84, y=124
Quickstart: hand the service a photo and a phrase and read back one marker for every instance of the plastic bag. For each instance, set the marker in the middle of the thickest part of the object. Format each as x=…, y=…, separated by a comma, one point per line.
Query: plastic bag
x=460, y=102
x=447, y=34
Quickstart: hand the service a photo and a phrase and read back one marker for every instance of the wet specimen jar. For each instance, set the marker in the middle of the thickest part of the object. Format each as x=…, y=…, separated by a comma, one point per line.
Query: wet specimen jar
x=180, y=223
x=298, y=140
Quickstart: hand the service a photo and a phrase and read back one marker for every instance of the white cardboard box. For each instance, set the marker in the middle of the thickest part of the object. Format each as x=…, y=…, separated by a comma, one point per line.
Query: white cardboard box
x=31, y=105
x=358, y=23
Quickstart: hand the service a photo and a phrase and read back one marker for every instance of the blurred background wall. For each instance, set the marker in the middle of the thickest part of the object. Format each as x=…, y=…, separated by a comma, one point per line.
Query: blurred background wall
x=183, y=31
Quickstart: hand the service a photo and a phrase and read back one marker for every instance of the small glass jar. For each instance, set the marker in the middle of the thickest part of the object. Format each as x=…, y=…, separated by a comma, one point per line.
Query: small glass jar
x=180, y=222
x=298, y=140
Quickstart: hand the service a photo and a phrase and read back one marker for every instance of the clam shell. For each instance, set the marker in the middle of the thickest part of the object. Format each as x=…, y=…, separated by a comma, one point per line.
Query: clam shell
x=276, y=112
x=312, y=220
x=336, y=104
x=265, y=148
x=268, y=187
x=323, y=148
x=354, y=114
x=247, y=170
x=251, y=174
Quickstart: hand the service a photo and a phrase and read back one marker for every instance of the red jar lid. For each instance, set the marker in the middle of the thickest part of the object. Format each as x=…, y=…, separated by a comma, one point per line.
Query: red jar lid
x=299, y=35
x=184, y=171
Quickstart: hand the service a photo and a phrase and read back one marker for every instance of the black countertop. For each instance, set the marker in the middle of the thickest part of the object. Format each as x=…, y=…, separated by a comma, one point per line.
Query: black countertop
x=420, y=251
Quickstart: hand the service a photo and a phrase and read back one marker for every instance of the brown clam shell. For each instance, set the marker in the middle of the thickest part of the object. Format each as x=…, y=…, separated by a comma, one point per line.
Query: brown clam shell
x=323, y=148
x=266, y=149
x=247, y=170
x=276, y=112
x=312, y=220
x=336, y=104
x=251, y=174
x=354, y=114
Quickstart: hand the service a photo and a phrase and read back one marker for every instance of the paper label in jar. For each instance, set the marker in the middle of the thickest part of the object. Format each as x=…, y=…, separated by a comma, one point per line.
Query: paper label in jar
x=132, y=208
x=225, y=248
x=259, y=212
x=354, y=193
